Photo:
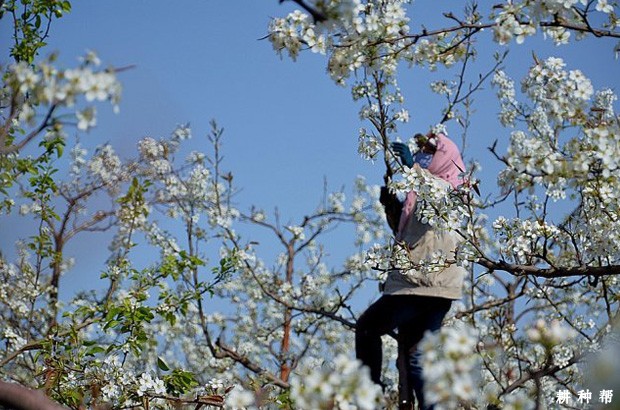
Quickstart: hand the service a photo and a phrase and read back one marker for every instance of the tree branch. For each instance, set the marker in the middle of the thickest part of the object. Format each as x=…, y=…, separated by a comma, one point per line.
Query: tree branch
x=552, y=272
x=537, y=374
x=583, y=29
x=226, y=351
x=18, y=397
x=4, y=150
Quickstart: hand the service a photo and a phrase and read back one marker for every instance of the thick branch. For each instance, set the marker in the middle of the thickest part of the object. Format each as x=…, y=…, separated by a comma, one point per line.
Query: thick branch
x=552, y=272
x=285, y=346
x=18, y=397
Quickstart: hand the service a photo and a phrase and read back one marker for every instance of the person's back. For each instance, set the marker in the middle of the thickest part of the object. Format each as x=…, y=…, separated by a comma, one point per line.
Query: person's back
x=423, y=245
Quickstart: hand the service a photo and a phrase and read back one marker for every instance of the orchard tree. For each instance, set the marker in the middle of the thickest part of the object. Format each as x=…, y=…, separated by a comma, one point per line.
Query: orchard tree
x=542, y=290
x=543, y=286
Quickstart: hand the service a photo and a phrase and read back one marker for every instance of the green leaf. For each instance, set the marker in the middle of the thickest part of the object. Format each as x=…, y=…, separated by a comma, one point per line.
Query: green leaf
x=144, y=313
x=171, y=318
x=111, y=324
x=112, y=312
x=94, y=350
x=162, y=365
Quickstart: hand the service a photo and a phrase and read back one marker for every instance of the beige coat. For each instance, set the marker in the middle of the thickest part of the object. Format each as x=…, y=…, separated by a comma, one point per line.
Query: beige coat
x=422, y=241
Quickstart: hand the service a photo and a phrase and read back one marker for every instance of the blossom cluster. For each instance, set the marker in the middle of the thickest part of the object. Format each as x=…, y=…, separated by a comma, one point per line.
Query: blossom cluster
x=45, y=85
x=522, y=240
x=560, y=95
x=240, y=398
x=342, y=384
x=10, y=285
x=438, y=205
x=433, y=263
x=119, y=383
x=550, y=334
x=583, y=164
x=521, y=19
x=106, y=167
x=195, y=189
x=449, y=363
x=351, y=32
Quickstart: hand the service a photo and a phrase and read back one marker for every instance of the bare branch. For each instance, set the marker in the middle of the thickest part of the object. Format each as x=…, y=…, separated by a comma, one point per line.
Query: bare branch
x=227, y=351
x=4, y=150
x=487, y=306
x=537, y=374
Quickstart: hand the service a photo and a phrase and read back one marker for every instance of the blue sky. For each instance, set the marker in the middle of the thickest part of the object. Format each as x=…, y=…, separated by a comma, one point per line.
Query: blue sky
x=287, y=125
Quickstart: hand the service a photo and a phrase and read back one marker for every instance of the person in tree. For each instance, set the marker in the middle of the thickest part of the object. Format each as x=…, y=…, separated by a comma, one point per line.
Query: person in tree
x=414, y=301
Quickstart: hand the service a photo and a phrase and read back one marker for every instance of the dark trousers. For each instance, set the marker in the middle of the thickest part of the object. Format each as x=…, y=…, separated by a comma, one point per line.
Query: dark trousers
x=412, y=315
